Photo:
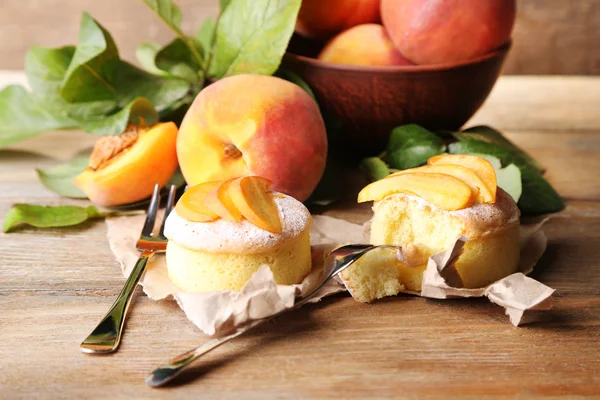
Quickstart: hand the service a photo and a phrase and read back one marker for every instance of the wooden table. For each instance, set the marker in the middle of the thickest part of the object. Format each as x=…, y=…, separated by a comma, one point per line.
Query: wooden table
x=56, y=284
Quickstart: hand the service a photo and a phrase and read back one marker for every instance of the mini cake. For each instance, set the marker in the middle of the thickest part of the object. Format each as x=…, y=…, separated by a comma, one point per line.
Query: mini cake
x=221, y=233
x=425, y=210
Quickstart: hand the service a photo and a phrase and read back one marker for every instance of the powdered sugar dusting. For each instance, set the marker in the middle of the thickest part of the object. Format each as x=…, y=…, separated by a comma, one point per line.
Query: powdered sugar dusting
x=222, y=236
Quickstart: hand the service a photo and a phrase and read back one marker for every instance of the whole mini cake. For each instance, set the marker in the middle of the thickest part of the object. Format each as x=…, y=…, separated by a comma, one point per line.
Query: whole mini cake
x=221, y=233
x=425, y=210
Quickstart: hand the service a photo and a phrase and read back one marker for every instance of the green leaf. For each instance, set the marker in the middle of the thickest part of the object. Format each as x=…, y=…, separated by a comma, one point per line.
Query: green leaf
x=45, y=69
x=490, y=135
x=168, y=11
x=170, y=14
x=48, y=216
x=296, y=79
x=223, y=4
x=60, y=178
x=375, y=168
x=252, y=36
x=93, y=66
x=176, y=59
x=538, y=197
x=21, y=117
x=204, y=36
x=138, y=110
x=411, y=145
x=509, y=179
x=132, y=82
x=146, y=55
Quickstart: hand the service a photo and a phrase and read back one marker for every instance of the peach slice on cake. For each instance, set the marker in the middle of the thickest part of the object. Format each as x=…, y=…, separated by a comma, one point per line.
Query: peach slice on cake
x=252, y=198
x=442, y=190
x=480, y=166
x=483, y=193
x=219, y=202
x=192, y=207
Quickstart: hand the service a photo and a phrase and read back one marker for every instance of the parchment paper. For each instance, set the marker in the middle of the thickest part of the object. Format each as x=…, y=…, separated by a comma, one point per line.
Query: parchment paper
x=217, y=313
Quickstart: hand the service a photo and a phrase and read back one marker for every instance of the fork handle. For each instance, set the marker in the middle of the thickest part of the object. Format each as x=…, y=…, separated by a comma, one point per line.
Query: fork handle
x=107, y=335
x=173, y=368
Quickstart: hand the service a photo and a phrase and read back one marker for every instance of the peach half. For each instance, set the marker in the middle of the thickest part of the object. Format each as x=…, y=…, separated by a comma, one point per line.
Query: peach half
x=254, y=125
x=124, y=168
x=367, y=44
x=321, y=19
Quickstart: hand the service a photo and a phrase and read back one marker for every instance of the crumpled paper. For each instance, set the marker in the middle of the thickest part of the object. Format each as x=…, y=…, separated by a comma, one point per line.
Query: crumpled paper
x=218, y=313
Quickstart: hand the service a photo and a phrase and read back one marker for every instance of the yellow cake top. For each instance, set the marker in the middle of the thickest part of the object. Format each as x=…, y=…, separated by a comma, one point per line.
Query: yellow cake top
x=227, y=236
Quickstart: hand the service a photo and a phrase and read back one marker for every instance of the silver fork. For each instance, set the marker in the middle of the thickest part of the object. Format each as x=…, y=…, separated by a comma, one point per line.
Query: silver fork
x=107, y=335
x=337, y=261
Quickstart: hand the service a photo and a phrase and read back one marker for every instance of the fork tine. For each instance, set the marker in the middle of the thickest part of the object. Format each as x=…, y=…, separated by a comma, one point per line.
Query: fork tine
x=170, y=204
x=151, y=213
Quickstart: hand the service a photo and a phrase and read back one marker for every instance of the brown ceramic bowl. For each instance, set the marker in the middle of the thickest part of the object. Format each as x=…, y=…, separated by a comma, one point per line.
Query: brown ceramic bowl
x=370, y=101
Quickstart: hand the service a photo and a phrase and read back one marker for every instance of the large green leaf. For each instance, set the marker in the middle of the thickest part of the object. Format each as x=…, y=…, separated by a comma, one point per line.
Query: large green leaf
x=97, y=74
x=252, y=36
x=139, y=110
x=223, y=4
x=508, y=178
x=204, y=37
x=132, y=82
x=45, y=70
x=170, y=14
x=60, y=178
x=53, y=216
x=93, y=66
x=538, y=195
x=146, y=55
x=490, y=135
x=22, y=117
x=47, y=216
x=176, y=59
x=412, y=145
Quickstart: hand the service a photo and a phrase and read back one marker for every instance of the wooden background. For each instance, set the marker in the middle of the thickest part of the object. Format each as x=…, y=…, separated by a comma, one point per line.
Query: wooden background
x=551, y=36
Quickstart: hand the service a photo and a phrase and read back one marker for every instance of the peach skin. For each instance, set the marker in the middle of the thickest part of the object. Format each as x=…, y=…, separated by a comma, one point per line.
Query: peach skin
x=367, y=44
x=319, y=19
x=124, y=169
x=446, y=31
x=254, y=125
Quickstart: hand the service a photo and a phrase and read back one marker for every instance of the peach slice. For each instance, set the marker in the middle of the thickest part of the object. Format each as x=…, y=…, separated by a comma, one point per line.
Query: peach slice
x=251, y=196
x=191, y=205
x=219, y=202
x=480, y=166
x=124, y=168
x=483, y=194
x=443, y=191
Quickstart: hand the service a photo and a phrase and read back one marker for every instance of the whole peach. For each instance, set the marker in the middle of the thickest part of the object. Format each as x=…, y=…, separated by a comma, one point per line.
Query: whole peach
x=321, y=19
x=444, y=31
x=367, y=44
x=254, y=125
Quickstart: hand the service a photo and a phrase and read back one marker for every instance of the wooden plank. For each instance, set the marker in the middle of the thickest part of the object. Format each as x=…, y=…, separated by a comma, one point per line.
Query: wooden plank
x=542, y=103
